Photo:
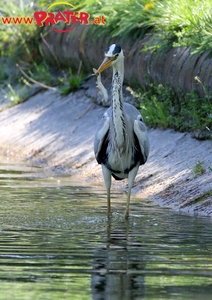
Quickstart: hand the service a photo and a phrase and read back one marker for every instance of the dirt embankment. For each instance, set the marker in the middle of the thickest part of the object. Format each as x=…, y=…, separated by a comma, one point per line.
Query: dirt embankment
x=57, y=132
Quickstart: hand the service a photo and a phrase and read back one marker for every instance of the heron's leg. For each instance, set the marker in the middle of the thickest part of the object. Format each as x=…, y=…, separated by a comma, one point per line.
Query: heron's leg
x=131, y=177
x=107, y=180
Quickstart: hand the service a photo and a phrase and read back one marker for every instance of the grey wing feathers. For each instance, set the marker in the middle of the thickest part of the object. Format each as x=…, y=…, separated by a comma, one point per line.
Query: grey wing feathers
x=139, y=128
x=141, y=133
x=101, y=132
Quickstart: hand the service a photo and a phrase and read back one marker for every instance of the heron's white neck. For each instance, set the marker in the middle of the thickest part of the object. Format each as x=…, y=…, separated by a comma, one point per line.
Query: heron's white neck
x=118, y=113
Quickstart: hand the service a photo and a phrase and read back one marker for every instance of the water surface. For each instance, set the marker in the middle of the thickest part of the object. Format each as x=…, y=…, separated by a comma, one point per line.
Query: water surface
x=57, y=243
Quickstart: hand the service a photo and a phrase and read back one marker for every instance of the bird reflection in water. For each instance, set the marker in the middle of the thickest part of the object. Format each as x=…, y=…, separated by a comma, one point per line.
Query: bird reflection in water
x=118, y=267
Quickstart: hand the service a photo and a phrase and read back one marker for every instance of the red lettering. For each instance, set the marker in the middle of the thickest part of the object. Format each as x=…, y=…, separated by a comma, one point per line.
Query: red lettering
x=74, y=18
x=50, y=19
x=68, y=15
x=40, y=17
x=17, y=20
x=60, y=17
x=84, y=18
x=103, y=20
x=6, y=20
x=96, y=21
x=28, y=20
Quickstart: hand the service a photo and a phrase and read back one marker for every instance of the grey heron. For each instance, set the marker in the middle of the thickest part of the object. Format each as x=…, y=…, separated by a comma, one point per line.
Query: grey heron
x=121, y=142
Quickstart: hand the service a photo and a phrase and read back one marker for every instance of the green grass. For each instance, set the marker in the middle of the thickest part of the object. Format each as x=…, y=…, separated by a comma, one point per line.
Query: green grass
x=14, y=96
x=198, y=169
x=185, y=23
x=176, y=22
x=73, y=83
x=123, y=18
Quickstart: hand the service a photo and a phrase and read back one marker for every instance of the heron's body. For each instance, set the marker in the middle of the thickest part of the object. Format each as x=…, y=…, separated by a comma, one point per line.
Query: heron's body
x=121, y=144
x=126, y=151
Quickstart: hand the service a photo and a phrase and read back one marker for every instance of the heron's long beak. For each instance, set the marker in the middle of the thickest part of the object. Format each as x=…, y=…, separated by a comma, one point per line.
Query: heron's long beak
x=105, y=64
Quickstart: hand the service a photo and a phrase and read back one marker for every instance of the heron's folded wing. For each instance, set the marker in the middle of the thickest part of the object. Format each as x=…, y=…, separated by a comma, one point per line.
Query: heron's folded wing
x=141, y=133
x=101, y=134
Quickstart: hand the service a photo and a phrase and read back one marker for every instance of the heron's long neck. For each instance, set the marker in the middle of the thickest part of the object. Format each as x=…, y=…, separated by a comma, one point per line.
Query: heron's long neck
x=118, y=113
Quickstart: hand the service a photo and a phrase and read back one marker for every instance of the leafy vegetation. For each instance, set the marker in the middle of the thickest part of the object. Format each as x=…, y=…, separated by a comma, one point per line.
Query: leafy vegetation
x=176, y=22
x=198, y=169
x=162, y=107
x=185, y=23
x=13, y=96
x=15, y=38
x=123, y=18
x=71, y=84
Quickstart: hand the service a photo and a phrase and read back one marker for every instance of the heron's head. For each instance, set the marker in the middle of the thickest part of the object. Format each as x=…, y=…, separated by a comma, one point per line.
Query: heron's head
x=113, y=55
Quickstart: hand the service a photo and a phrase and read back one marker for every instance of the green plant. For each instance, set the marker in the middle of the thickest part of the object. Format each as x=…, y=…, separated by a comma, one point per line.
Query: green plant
x=154, y=105
x=41, y=72
x=176, y=22
x=162, y=107
x=123, y=17
x=15, y=38
x=198, y=169
x=71, y=84
x=14, y=96
x=184, y=23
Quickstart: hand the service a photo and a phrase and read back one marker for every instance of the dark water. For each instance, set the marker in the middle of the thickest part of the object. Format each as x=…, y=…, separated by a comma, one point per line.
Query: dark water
x=56, y=243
